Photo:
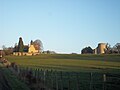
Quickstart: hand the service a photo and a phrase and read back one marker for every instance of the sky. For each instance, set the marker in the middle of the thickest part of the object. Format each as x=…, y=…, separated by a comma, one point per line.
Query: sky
x=64, y=26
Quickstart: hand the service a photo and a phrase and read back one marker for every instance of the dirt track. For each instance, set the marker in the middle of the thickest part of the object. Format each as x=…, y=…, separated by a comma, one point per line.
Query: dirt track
x=3, y=82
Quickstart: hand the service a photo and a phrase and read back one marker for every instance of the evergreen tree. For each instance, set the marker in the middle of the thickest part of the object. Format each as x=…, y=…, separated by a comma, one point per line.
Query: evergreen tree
x=87, y=50
x=20, y=45
x=31, y=43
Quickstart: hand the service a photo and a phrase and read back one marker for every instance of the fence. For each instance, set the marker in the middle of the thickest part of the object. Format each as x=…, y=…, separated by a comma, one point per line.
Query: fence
x=39, y=79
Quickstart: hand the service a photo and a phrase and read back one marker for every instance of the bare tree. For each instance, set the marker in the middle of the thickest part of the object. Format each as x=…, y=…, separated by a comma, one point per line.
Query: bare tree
x=118, y=47
x=4, y=47
x=38, y=45
x=7, y=50
x=108, y=49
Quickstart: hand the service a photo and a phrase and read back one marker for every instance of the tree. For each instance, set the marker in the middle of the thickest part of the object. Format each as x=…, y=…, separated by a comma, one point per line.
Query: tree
x=87, y=50
x=38, y=45
x=31, y=42
x=48, y=52
x=15, y=49
x=108, y=49
x=7, y=50
x=20, y=45
x=4, y=47
x=118, y=47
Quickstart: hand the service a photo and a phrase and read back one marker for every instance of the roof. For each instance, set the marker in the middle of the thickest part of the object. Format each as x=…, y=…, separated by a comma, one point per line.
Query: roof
x=26, y=47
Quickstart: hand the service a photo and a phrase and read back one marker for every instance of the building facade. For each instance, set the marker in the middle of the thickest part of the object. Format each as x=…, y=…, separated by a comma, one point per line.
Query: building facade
x=100, y=48
x=27, y=50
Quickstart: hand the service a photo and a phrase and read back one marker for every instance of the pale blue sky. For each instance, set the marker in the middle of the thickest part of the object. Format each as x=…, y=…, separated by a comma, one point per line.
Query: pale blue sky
x=64, y=26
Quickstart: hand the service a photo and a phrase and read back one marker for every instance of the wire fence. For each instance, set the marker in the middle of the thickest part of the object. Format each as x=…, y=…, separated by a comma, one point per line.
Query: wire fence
x=39, y=79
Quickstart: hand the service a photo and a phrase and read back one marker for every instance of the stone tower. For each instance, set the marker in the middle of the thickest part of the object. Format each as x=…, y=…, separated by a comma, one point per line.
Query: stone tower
x=101, y=48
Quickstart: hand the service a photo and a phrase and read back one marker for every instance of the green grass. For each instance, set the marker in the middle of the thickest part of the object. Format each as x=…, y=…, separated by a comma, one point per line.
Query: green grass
x=13, y=81
x=70, y=62
x=73, y=64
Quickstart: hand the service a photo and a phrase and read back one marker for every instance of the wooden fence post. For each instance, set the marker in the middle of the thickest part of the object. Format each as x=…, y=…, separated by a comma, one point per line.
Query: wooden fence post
x=56, y=80
x=104, y=81
x=77, y=81
x=91, y=74
x=68, y=81
x=38, y=73
x=61, y=75
x=51, y=79
x=20, y=74
x=41, y=76
x=44, y=78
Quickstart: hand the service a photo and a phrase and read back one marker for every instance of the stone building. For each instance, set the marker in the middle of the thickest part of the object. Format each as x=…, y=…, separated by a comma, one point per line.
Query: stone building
x=27, y=50
x=100, y=48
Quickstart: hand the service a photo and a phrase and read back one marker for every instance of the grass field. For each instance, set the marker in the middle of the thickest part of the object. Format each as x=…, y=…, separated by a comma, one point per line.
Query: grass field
x=70, y=62
x=72, y=71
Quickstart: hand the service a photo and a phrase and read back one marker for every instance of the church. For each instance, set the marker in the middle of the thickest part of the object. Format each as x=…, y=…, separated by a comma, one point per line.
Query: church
x=25, y=50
